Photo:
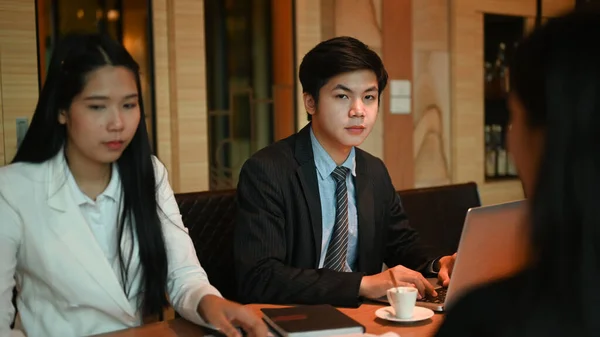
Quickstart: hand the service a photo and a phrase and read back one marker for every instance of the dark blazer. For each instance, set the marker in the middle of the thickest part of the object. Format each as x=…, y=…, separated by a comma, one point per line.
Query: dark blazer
x=508, y=308
x=277, y=240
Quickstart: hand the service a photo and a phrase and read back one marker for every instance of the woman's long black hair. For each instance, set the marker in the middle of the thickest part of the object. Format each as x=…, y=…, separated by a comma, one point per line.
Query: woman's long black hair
x=74, y=58
x=555, y=73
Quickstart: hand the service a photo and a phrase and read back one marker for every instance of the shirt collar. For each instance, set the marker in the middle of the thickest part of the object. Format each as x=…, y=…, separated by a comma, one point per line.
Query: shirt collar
x=111, y=191
x=323, y=161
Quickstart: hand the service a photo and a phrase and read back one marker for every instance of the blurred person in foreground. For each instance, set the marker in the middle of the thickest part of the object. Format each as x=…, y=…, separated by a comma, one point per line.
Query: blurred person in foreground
x=555, y=140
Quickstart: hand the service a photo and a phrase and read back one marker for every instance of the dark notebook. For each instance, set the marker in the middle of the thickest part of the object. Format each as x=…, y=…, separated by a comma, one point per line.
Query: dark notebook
x=311, y=320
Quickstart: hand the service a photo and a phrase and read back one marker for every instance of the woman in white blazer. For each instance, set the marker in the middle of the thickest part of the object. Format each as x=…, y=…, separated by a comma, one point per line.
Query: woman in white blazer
x=90, y=232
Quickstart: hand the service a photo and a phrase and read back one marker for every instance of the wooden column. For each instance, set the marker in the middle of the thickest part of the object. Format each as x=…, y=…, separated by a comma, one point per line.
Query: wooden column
x=180, y=86
x=308, y=35
x=283, y=68
x=397, y=57
x=18, y=71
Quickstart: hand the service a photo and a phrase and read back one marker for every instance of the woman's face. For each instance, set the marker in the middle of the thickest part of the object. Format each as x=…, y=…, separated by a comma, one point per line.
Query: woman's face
x=104, y=117
x=524, y=143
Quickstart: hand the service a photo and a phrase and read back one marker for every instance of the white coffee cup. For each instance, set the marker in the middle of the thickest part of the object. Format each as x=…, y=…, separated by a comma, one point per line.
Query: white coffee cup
x=403, y=300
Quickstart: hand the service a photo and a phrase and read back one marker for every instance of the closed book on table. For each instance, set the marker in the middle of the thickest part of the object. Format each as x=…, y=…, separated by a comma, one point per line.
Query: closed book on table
x=311, y=320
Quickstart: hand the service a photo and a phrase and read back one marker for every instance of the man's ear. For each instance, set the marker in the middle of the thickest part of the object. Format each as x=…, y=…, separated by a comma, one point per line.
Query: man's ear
x=309, y=103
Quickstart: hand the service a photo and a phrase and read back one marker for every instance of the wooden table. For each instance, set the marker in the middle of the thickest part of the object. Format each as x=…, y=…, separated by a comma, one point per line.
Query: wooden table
x=365, y=315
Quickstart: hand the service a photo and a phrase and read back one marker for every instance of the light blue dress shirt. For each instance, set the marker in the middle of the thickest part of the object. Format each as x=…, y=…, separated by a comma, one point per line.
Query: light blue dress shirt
x=325, y=166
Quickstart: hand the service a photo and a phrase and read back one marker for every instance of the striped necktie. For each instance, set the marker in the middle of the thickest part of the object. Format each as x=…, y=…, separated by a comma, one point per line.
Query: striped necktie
x=338, y=245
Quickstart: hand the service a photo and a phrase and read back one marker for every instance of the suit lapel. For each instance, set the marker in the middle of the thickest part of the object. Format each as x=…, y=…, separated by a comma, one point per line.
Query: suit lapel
x=366, y=210
x=307, y=173
x=72, y=230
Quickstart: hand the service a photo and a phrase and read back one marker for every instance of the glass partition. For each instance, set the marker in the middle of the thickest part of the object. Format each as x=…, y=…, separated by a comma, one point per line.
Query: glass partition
x=501, y=35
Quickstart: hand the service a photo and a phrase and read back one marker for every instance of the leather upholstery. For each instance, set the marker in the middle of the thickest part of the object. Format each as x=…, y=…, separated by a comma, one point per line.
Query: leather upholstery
x=438, y=213
x=210, y=218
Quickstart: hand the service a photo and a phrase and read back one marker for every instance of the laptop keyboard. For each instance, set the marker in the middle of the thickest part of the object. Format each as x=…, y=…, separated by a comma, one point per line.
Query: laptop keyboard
x=441, y=297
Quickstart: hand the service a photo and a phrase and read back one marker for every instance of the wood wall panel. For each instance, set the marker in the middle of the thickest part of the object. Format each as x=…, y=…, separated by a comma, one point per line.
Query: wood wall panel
x=397, y=56
x=467, y=92
x=328, y=20
x=181, y=92
x=162, y=86
x=283, y=69
x=522, y=7
x=499, y=192
x=191, y=95
x=18, y=70
x=431, y=92
x=556, y=7
x=504, y=7
x=308, y=35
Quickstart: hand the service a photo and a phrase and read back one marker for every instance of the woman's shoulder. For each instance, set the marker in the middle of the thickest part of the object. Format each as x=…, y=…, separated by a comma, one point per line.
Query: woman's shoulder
x=160, y=170
x=497, y=290
x=17, y=174
x=19, y=182
x=156, y=162
x=17, y=169
x=479, y=311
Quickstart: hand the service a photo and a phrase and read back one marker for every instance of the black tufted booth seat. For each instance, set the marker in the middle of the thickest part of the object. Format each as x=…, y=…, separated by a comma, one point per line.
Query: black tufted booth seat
x=210, y=218
x=438, y=213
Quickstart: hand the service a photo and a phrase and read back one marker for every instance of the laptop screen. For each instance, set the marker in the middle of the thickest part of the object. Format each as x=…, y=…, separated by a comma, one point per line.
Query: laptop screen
x=493, y=245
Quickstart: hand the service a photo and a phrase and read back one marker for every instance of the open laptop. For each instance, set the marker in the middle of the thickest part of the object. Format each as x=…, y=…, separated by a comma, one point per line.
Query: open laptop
x=492, y=245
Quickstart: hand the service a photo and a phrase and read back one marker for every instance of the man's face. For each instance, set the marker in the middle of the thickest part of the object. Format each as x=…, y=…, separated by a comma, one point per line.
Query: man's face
x=346, y=110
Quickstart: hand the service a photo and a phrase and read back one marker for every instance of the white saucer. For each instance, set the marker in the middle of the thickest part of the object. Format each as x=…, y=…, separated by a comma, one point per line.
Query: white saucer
x=419, y=314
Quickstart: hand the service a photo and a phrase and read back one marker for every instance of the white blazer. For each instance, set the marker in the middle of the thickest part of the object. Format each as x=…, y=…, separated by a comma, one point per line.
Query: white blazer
x=66, y=285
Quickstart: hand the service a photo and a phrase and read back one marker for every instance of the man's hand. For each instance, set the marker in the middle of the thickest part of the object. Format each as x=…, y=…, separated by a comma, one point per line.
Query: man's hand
x=222, y=314
x=446, y=265
x=376, y=286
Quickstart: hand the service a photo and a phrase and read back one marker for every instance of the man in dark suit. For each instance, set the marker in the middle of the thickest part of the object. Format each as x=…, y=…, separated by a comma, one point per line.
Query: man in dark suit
x=317, y=216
